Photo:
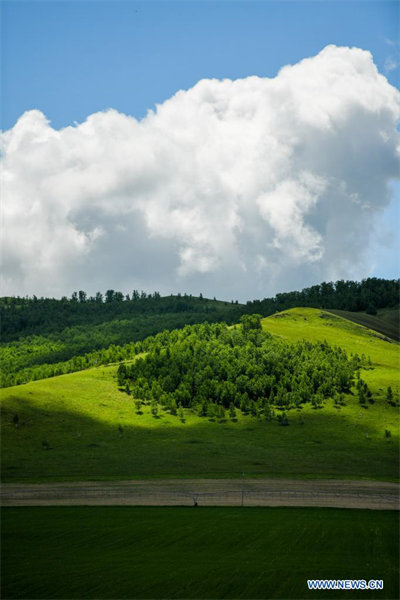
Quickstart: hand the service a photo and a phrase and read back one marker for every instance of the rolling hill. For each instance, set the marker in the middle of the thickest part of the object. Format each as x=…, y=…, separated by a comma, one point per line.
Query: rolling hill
x=80, y=426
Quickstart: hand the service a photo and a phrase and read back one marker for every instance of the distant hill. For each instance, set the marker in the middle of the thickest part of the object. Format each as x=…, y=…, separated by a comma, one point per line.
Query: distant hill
x=23, y=316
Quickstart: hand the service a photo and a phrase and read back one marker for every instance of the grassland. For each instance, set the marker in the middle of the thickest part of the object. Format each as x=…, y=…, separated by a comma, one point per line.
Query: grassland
x=132, y=552
x=385, y=322
x=79, y=416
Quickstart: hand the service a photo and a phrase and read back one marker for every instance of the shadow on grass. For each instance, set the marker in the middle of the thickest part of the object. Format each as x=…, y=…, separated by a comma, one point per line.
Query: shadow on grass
x=315, y=444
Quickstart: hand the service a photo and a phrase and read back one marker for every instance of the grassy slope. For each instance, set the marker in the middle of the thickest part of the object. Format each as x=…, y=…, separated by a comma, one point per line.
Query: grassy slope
x=313, y=325
x=131, y=552
x=385, y=322
x=79, y=415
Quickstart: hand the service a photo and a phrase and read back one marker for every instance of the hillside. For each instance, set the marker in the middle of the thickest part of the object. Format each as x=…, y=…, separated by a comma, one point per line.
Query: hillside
x=386, y=322
x=81, y=426
x=312, y=325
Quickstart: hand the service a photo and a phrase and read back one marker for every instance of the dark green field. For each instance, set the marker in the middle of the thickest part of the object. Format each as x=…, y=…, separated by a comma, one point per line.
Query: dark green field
x=138, y=552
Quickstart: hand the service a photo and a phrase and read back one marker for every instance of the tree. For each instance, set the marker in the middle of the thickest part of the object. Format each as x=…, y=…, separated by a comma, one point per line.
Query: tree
x=203, y=409
x=251, y=322
x=283, y=419
x=109, y=296
x=232, y=412
x=371, y=309
x=317, y=401
x=173, y=409
x=181, y=414
x=221, y=413
x=268, y=413
x=389, y=395
x=121, y=375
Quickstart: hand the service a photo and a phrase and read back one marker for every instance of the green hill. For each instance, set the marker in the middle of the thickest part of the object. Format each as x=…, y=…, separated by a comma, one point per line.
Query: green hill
x=80, y=426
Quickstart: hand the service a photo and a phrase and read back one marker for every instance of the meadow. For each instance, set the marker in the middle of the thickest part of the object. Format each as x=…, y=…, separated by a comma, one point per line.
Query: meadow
x=177, y=552
x=91, y=429
x=386, y=321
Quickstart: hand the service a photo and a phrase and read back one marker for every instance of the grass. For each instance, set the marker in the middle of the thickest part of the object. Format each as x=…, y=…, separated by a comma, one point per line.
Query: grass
x=79, y=416
x=177, y=552
x=385, y=322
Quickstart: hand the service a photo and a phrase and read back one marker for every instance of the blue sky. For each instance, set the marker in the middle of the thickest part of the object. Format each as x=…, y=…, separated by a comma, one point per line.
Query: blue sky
x=72, y=59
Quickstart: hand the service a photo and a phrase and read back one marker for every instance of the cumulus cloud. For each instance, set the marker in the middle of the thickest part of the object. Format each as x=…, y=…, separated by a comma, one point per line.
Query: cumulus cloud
x=233, y=188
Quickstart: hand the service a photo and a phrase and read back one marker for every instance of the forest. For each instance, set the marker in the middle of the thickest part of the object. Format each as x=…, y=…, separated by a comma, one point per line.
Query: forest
x=44, y=316
x=213, y=368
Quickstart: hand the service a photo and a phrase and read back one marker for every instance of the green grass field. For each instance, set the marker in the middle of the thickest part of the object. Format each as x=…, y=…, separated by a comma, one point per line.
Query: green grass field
x=138, y=552
x=79, y=415
x=385, y=322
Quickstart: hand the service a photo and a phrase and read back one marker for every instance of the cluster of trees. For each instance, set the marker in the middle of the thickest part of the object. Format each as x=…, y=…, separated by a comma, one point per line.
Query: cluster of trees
x=212, y=368
x=364, y=393
x=368, y=295
x=18, y=368
x=77, y=363
x=35, y=355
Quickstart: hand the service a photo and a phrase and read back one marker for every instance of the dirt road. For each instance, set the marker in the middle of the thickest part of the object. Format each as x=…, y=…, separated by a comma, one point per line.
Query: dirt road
x=208, y=492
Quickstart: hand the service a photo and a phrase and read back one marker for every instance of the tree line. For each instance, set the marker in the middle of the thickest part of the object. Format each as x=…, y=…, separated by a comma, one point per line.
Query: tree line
x=368, y=295
x=44, y=316
x=32, y=315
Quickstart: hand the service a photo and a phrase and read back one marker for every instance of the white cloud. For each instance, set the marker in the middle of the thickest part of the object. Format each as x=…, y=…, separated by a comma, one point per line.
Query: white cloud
x=391, y=64
x=234, y=188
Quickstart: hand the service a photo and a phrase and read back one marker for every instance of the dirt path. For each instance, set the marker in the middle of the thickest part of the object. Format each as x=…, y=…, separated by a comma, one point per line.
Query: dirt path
x=208, y=492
